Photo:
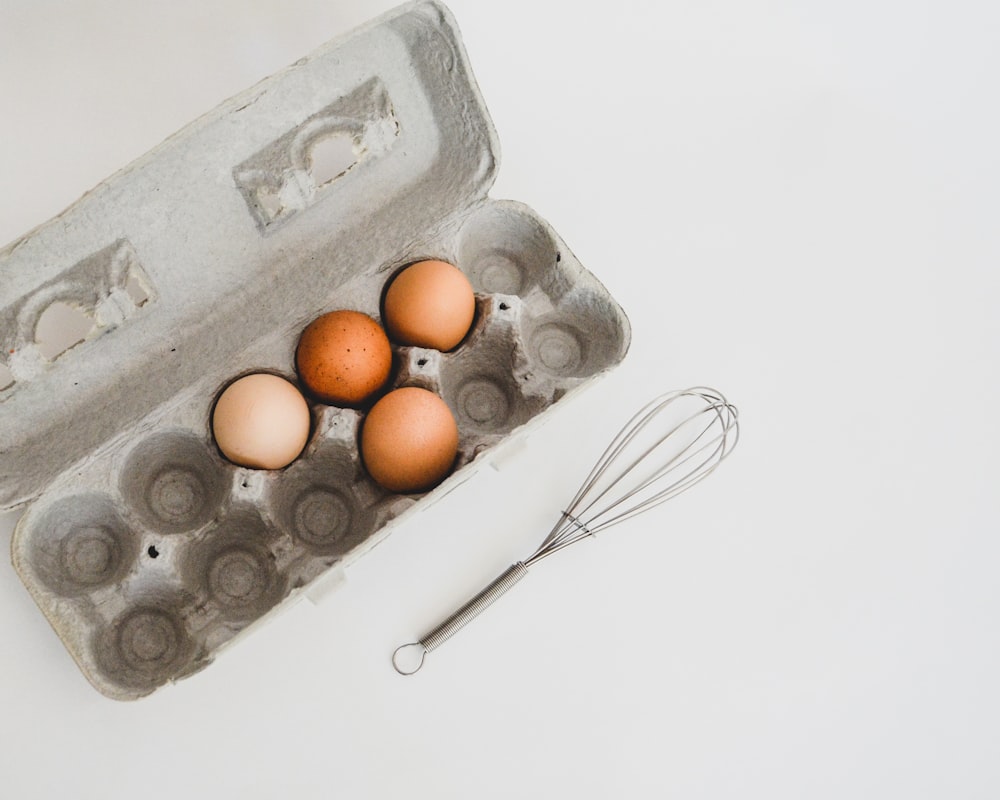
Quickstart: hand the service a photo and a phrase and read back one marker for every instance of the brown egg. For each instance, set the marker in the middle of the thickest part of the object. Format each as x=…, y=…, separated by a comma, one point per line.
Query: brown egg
x=344, y=358
x=429, y=304
x=261, y=421
x=409, y=440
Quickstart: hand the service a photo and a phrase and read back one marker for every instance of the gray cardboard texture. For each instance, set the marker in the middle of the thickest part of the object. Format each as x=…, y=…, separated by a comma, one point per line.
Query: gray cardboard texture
x=204, y=260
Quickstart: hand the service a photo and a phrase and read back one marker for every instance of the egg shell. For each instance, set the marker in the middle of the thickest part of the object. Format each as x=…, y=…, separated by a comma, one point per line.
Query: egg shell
x=429, y=304
x=409, y=440
x=261, y=421
x=344, y=358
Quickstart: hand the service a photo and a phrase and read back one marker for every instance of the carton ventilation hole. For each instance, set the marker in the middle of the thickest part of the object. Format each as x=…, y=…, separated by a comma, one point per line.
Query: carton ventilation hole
x=331, y=157
x=6, y=377
x=61, y=327
x=135, y=290
x=152, y=552
x=270, y=201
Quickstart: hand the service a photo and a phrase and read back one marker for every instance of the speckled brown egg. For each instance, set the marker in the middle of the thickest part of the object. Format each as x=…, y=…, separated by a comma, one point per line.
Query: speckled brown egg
x=429, y=304
x=409, y=440
x=344, y=358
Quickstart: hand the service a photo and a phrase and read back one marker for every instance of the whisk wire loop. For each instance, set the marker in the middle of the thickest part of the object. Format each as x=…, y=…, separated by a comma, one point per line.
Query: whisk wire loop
x=614, y=451
x=699, y=446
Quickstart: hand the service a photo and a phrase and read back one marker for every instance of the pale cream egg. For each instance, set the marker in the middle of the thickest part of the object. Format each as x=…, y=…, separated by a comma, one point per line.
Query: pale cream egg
x=261, y=421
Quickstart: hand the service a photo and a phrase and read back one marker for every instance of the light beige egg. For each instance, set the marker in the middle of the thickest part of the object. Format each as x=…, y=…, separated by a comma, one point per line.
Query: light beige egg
x=261, y=421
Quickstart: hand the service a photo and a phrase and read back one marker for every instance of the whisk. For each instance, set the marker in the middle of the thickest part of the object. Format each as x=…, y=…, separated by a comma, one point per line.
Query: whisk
x=673, y=442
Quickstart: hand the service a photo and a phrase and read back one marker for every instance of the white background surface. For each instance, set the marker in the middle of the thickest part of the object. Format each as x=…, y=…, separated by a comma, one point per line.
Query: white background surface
x=795, y=202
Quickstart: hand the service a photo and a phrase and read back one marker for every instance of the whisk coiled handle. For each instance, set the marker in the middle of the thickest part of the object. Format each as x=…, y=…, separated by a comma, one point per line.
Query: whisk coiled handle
x=476, y=606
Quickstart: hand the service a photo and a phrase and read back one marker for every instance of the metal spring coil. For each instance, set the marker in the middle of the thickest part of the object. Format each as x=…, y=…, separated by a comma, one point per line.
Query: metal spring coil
x=476, y=606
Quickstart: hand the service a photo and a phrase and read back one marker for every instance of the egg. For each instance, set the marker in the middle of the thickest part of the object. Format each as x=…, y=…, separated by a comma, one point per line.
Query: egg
x=429, y=304
x=344, y=358
x=261, y=421
x=409, y=440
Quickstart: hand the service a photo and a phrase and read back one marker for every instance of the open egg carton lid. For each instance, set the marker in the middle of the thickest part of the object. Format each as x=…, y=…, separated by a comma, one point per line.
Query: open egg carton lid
x=204, y=260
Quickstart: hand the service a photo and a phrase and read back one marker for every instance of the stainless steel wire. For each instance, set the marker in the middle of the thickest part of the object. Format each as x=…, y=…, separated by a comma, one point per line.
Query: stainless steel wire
x=672, y=443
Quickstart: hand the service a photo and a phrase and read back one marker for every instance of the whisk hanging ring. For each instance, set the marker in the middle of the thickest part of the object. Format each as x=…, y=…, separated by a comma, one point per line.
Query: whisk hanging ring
x=660, y=452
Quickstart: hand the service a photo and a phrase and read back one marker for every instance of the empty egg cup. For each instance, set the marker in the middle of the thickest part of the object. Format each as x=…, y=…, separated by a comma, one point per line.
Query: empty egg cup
x=173, y=482
x=235, y=566
x=82, y=544
x=321, y=502
x=145, y=646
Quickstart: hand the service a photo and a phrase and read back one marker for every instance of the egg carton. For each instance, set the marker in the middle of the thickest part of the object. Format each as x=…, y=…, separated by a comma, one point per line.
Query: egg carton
x=147, y=551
